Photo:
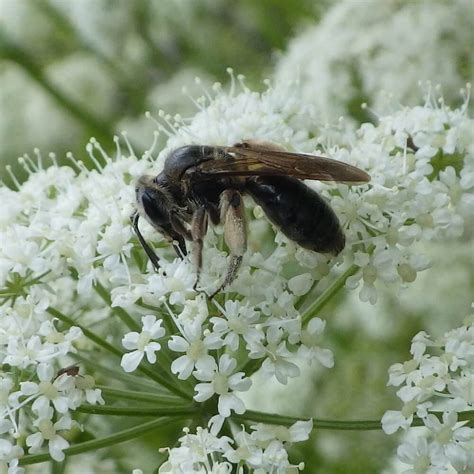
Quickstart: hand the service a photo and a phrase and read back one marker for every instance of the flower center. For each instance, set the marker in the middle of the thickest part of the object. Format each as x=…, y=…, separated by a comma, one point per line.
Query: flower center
x=48, y=390
x=445, y=435
x=173, y=284
x=220, y=385
x=196, y=350
x=237, y=325
x=143, y=340
x=47, y=429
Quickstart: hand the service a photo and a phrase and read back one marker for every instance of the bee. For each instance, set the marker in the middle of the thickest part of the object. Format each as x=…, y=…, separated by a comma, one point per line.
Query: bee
x=201, y=184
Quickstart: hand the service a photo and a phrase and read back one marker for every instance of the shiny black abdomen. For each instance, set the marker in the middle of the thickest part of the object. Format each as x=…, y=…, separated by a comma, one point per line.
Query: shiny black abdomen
x=300, y=213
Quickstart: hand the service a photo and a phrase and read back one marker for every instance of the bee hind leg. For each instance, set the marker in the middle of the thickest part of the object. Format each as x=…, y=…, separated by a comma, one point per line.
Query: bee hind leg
x=235, y=233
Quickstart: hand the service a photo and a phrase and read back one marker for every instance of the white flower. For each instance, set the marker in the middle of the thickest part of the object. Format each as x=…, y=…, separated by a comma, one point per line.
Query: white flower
x=309, y=349
x=237, y=321
x=416, y=454
x=198, y=453
x=47, y=392
x=9, y=455
x=276, y=355
x=451, y=439
x=220, y=380
x=426, y=378
x=48, y=433
x=178, y=283
x=142, y=343
x=298, y=431
x=196, y=348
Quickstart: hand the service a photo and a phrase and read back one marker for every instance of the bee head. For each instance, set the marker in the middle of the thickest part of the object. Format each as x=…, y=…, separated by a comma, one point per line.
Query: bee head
x=153, y=202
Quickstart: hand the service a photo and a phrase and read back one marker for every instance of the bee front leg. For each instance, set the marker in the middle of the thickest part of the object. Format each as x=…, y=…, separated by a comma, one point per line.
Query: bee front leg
x=198, y=232
x=149, y=251
x=235, y=233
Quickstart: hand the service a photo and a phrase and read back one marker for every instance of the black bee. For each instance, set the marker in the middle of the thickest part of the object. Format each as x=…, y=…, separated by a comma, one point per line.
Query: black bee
x=201, y=183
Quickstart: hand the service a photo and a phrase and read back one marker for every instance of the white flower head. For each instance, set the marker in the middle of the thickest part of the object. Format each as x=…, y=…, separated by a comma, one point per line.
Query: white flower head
x=48, y=432
x=142, y=344
x=221, y=380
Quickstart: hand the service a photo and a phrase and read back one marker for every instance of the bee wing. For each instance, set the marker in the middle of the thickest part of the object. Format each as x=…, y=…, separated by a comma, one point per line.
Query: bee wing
x=249, y=160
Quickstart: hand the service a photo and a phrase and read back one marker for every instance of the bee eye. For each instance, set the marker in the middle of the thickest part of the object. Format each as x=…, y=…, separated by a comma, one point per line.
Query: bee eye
x=154, y=208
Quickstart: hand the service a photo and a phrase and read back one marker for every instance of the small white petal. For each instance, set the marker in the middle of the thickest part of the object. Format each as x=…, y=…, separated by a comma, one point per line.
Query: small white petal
x=183, y=366
x=56, y=446
x=131, y=360
x=204, y=392
x=178, y=344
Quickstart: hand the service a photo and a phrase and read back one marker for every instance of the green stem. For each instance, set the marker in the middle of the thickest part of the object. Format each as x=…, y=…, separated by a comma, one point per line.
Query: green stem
x=327, y=295
x=356, y=425
x=136, y=411
x=135, y=395
x=89, y=334
x=119, y=375
x=120, y=312
x=95, y=444
x=273, y=419
x=154, y=375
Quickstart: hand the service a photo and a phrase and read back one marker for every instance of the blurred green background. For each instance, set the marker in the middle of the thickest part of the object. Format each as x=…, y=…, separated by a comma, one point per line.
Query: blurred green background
x=75, y=69
x=70, y=70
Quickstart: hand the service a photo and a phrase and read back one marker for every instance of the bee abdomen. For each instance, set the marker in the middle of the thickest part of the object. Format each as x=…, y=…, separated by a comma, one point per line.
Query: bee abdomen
x=300, y=212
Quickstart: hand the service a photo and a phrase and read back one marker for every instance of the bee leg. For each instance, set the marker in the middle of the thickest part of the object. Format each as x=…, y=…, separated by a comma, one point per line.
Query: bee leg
x=198, y=231
x=148, y=250
x=177, y=237
x=235, y=235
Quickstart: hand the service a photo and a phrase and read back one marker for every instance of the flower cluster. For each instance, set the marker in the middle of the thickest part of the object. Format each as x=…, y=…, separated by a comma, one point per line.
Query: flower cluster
x=37, y=390
x=368, y=51
x=436, y=386
x=69, y=260
x=263, y=450
x=49, y=236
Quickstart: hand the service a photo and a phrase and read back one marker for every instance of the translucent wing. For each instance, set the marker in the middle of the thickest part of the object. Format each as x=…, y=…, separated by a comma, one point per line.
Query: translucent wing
x=248, y=159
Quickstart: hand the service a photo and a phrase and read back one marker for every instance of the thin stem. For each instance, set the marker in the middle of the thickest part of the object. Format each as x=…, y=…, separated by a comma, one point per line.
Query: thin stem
x=135, y=395
x=120, y=312
x=89, y=334
x=327, y=295
x=111, y=440
x=136, y=411
x=354, y=425
x=119, y=375
x=274, y=419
